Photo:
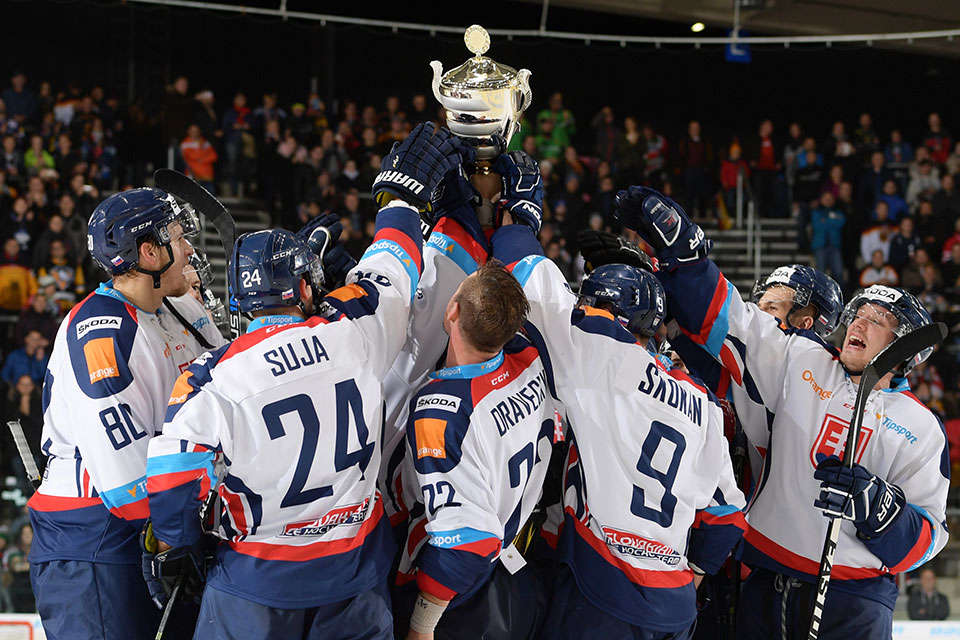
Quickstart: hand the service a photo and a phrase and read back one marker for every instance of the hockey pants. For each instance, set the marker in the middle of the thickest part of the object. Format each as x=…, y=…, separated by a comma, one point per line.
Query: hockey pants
x=93, y=601
x=777, y=607
x=365, y=616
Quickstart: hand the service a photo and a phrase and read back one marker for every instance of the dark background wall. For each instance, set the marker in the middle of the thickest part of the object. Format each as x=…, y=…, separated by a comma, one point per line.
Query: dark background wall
x=105, y=42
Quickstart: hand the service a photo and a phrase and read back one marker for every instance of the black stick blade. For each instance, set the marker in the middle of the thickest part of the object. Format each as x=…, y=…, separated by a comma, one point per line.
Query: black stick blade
x=907, y=346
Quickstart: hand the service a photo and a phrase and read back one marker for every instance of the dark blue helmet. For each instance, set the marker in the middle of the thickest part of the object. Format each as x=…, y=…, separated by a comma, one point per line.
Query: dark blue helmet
x=903, y=305
x=637, y=296
x=810, y=286
x=266, y=269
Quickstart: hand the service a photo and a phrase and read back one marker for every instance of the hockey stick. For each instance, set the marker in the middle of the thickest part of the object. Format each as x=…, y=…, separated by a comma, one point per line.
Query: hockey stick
x=26, y=455
x=178, y=584
x=189, y=190
x=900, y=350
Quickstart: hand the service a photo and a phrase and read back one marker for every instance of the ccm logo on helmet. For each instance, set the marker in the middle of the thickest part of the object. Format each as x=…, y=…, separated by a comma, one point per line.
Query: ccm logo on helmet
x=438, y=401
x=99, y=322
x=141, y=227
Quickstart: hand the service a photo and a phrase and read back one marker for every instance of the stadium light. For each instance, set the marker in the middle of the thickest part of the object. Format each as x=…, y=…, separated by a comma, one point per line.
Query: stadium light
x=697, y=27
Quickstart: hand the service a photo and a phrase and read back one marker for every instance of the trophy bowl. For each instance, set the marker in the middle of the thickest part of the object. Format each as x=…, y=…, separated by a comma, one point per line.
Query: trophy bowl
x=483, y=99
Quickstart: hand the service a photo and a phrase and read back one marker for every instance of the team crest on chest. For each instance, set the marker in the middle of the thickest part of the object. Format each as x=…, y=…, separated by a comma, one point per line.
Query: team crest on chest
x=832, y=439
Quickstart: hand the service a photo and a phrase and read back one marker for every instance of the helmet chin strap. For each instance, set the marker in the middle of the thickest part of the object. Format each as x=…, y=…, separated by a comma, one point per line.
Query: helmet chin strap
x=157, y=273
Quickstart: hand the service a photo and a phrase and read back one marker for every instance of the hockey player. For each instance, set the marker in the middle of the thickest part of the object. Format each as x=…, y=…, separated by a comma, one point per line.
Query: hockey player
x=479, y=439
x=295, y=407
x=114, y=362
x=900, y=475
x=647, y=459
x=200, y=277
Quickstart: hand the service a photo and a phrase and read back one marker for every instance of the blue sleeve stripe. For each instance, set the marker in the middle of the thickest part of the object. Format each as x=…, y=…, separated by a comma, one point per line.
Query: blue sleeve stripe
x=524, y=268
x=721, y=325
x=459, y=537
x=934, y=528
x=394, y=249
x=449, y=247
x=125, y=494
x=177, y=462
x=723, y=510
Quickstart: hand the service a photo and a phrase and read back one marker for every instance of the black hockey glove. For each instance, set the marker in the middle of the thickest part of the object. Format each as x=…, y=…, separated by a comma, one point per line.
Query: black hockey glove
x=522, y=192
x=662, y=223
x=414, y=168
x=856, y=494
x=162, y=570
x=602, y=247
x=323, y=234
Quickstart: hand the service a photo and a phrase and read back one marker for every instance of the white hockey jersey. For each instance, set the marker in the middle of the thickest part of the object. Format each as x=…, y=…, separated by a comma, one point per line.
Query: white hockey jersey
x=295, y=408
x=647, y=459
x=800, y=382
x=479, y=440
x=454, y=250
x=104, y=395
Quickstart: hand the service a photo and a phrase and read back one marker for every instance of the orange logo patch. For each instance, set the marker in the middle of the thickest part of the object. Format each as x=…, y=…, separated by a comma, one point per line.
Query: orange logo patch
x=593, y=311
x=181, y=389
x=101, y=357
x=430, y=438
x=348, y=292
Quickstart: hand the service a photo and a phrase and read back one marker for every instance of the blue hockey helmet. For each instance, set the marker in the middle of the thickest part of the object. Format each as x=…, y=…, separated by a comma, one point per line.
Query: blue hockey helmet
x=636, y=296
x=810, y=286
x=266, y=269
x=908, y=311
x=122, y=220
x=201, y=265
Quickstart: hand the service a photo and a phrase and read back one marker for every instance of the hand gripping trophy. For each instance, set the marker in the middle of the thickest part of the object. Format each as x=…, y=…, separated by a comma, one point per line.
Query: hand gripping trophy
x=483, y=98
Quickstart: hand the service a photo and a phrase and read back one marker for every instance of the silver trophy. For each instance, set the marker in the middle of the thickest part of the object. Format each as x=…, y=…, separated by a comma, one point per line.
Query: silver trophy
x=483, y=98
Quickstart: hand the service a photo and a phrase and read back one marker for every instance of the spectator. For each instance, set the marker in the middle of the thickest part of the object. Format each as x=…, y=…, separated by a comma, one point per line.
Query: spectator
x=951, y=269
x=924, y=182
x=827, y=226
x=654, y=158
x=896, y=204
x=903, y=244
x=872, y=180
x=946, y=203
x=39, y=316
x=927, y=228
x=878, y=235
x=937, y=139
x=694, y=160
x=199, y=156
x=571, y=164
x=67, y=275
x=37, y=159
x=949, y=242
x=953, y=162
x=420, y=112
x=898, y=155
x=15, y=561
x=23, y=403
x=28, y=360
x=206, y=118
x=551, y=141
x=300, y=125
x=764, y=159
x=865, y=138
x=20, y=224
x=12, y=161
x=74, y=226
x=236, y=129
x=563, y=121
x=85, y=196
x=792, y=150
x=20, y=101
x=833, y=181
x=912, y=278
x=806, y=184
x=731, y=167
x=607, y=136
x=878, y=272
x=17, y=284
x=178, y=109
x=67, y=160
x=631, y=152
x=926, y=603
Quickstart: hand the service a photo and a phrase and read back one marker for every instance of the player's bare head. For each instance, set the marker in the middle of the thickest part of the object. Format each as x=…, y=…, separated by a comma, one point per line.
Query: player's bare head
x=872, y=329
x=778, y=300
x=489, y=307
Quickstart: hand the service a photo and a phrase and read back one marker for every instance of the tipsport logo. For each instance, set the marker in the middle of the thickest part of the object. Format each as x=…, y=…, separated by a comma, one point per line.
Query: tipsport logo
x=633, y=545
x=353, y=514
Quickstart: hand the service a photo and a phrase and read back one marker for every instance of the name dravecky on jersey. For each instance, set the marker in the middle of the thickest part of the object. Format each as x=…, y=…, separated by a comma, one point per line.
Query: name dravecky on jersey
x=341, y=516
x=634, y=545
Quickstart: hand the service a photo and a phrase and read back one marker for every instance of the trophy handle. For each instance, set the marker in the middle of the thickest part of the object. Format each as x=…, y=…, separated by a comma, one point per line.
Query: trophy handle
x=524, y=80
x=437, y=67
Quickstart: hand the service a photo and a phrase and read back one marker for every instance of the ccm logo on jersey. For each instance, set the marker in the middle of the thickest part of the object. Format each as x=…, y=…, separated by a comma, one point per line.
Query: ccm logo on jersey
x=633, y=545
x=101, y=359
x=438, y=401
x=352, y=514
x=430, y=433
x=99, y=322
x=832, y=439
x=817, y=389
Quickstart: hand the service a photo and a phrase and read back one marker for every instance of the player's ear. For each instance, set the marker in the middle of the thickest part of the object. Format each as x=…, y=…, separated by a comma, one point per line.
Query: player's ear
x=306, y=295
x=149, y=256
x=806, y=322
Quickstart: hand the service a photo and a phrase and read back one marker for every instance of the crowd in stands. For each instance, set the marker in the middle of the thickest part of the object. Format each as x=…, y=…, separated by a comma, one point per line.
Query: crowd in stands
x=869, y=205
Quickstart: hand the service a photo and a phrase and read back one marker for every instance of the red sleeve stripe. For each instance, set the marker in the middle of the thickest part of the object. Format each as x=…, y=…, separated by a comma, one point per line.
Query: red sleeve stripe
x=43, y=502
x=156, y=484
x=405, y=242
x=918, y=550
x=735, y=519
x=138, y=510
x=452, y=229
x=427, y=584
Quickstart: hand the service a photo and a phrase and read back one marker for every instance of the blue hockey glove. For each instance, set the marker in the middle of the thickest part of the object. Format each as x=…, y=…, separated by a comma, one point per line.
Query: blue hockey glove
x=453, y=192
x=414, y=168
x=857, y=494
x=322, y=234
x=162, y=569
x=522, y=193
x=662, y=223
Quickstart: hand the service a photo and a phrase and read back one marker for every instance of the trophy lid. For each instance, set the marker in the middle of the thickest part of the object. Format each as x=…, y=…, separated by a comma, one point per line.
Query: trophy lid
x=479, y=72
